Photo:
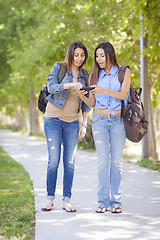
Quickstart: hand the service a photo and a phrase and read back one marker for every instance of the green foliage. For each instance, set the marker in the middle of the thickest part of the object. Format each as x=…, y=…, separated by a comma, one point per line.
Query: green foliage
x=36, y=34
x=16, y=200
x=152, y=164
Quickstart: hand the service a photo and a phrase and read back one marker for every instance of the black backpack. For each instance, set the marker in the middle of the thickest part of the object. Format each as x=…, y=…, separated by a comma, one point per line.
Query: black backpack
x=133, y=115
x=42, y=101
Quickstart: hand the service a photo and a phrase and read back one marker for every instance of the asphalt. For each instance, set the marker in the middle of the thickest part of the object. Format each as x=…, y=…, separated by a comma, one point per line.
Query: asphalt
x=141, y=196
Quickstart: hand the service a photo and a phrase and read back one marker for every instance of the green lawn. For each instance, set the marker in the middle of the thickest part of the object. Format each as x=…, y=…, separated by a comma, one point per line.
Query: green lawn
x=17, y=212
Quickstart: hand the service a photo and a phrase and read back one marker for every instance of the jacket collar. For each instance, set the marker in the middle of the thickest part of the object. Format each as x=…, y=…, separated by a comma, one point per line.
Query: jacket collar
x=79, y=75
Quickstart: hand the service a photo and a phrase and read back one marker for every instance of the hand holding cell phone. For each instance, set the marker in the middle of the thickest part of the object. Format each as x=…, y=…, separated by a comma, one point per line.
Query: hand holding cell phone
x=87, y=88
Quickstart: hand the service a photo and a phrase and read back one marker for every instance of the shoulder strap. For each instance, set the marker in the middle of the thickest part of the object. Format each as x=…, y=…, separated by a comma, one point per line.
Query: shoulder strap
x=86, y=75
x=121, y=73
x=61, y=73
x=138, y=89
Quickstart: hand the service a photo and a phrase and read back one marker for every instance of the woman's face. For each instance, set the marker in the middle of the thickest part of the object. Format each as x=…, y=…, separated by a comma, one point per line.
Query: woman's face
x=101, y=58
x=79, y=57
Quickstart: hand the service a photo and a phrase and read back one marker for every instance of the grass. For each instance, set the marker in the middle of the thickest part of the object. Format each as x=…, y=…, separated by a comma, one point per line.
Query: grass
x=132, y=153
x=2, y=126
x=151, y=164
x=17, y=212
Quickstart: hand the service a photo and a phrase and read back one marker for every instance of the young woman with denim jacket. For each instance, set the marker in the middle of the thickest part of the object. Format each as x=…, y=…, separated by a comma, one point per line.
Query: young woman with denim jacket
x=107, y=124
x=61, y=122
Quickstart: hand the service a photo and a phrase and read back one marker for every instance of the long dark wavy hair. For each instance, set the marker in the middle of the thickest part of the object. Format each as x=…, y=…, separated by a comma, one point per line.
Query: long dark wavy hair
x=70, y=54
x=109, y=51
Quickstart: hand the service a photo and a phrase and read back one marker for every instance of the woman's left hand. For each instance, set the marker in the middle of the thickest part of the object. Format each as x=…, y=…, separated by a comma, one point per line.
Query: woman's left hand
x=82, y=132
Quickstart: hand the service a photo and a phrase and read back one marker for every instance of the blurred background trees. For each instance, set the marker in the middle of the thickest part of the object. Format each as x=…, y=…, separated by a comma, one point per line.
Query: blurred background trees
x=35, y=34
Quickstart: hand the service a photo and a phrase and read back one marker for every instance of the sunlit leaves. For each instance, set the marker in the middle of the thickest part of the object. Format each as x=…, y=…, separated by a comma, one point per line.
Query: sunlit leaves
x=35, y=34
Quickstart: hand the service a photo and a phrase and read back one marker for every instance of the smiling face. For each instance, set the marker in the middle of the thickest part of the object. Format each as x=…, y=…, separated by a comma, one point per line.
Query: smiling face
x=79, y=57
x=101, y=58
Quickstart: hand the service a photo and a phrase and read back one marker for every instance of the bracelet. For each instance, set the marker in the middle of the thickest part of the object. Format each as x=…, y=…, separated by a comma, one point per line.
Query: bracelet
x=84, y=125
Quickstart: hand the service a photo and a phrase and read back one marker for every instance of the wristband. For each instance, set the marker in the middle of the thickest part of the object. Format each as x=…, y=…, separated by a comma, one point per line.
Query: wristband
x=84, y=125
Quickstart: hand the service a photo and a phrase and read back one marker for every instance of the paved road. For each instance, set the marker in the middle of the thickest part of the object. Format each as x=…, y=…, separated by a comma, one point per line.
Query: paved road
x=141, y=197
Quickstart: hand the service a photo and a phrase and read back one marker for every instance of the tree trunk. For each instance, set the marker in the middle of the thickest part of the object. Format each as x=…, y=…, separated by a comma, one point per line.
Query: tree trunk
x=33, y=111
x=35, y=116
x=22, y=118
x=151, y=125
x=145, y=93
x=30, y=107
x=158, y=119
x=16, y=126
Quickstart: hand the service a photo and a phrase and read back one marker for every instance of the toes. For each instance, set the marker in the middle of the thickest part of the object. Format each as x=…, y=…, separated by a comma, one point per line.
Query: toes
x=116, y=209
x=68, y=208
x=101, y=209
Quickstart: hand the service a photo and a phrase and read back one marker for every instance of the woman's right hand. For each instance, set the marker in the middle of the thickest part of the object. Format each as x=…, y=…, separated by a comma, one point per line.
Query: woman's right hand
x=82, y=93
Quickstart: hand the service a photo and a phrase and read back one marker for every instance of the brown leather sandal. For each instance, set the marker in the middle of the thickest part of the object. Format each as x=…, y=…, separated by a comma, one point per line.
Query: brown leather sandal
x=101, y=209
x=116, y=209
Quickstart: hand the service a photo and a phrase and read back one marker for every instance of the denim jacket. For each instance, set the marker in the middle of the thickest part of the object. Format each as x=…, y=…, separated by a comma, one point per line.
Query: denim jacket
x=57, y=92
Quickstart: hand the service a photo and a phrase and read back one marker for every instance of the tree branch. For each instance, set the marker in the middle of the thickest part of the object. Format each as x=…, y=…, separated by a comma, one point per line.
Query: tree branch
x=149, y=15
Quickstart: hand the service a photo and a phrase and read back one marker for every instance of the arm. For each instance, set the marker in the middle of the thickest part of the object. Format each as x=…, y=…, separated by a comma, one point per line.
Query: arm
x=52, y=80
x=118, y=95
x=77, y=85
x=89, y=101
x=83, y=128
x=55, y=87
x=85, y=112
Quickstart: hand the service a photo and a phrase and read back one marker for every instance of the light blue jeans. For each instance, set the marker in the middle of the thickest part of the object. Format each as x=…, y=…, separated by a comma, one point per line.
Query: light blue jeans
x=57, y=131
x=109, y=137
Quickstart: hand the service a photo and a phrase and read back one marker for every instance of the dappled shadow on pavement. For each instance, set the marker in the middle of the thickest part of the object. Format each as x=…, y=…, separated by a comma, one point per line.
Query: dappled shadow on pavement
x=141, y=196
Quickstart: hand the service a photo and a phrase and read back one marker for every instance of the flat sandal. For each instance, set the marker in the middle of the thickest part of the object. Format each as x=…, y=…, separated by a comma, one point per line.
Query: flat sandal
x=116, y=209
x=101, y=209
x=68, y=207
x=47, y=208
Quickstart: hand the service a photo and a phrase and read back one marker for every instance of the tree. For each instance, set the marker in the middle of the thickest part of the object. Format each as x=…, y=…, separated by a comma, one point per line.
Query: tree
x=35, y=34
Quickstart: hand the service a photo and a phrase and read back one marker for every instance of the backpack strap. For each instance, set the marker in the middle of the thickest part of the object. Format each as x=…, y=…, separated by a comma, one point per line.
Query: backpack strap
x=61, y=73
x=140, y=91
x=86, y=74
x=121, y=74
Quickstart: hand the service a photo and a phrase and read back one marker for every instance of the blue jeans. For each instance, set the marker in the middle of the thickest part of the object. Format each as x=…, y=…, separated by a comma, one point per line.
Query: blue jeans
x=57, y=131
x=109, y=136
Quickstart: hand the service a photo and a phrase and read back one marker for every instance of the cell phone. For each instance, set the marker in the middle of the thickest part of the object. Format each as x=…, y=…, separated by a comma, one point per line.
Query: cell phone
x=87, y=88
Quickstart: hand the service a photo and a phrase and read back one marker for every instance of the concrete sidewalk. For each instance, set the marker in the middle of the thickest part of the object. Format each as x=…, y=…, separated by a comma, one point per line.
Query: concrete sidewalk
x=141, y=197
